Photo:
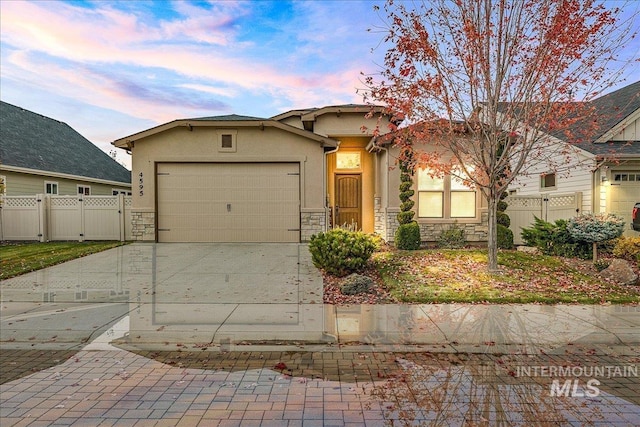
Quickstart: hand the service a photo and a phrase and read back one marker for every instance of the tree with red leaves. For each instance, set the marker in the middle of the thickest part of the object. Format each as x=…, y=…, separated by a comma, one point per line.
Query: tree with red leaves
x=492, y=79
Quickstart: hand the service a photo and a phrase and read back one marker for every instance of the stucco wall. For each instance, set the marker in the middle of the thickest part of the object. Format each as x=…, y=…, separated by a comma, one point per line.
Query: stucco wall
x=200, y=144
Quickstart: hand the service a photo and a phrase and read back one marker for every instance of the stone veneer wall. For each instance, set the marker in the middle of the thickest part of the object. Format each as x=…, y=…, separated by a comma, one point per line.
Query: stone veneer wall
x=312, y=223
x=429, y=232
x=143, y=226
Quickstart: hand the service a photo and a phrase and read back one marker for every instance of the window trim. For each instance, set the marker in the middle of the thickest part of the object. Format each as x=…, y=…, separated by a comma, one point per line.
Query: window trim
x=234, y=140
x=446, y=202
x=52, y=183
x=551, y=187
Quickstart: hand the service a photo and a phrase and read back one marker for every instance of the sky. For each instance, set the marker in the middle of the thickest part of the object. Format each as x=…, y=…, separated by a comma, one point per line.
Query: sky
x=113, y=68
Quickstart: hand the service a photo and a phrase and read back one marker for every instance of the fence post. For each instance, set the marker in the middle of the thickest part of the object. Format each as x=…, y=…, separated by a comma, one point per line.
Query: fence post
x=81, y=208
x=41, y=203
x=579, y=202
x=121, y=216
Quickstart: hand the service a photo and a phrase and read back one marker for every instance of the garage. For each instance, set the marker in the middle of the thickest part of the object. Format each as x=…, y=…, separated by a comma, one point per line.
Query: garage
x=624, y=193
x=228, y=202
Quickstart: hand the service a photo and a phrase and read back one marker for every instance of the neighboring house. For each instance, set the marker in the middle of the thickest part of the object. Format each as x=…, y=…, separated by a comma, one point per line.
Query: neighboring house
x=246, y=179
x=40, y=155
x=604, y=166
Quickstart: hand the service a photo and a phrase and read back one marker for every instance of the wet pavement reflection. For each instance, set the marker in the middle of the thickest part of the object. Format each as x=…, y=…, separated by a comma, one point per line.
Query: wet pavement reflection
x=213, y=324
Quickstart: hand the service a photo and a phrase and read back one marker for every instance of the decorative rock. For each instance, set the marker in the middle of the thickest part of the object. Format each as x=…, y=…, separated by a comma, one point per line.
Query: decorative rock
x=529, y=250
x=355, y=284
x=620, y=272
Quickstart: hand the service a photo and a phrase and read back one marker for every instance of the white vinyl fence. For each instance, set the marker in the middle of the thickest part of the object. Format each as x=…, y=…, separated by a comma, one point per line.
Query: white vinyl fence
x=523, y=209
x=45, y=217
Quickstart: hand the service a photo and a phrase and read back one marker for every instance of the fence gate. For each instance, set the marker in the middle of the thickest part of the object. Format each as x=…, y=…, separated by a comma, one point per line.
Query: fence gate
x=522, y=210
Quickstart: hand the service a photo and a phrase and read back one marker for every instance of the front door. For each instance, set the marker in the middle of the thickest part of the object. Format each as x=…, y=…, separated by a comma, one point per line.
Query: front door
x=348, y=200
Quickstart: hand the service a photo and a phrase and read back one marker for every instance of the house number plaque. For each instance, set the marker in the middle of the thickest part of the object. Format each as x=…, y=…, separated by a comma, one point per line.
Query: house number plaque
x=141, y=183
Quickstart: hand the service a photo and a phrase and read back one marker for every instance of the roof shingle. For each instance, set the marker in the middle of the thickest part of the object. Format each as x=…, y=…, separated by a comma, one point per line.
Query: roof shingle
x=30, y=140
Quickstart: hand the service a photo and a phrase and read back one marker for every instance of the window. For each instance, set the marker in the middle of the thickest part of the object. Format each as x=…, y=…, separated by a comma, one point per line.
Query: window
x=116, y=192
x=50, y=187
x=447, y=197
x=227, y=140
x=347, y=160
x=84, y=190
x=626, y=177
x=3, y=185
x=548, y=181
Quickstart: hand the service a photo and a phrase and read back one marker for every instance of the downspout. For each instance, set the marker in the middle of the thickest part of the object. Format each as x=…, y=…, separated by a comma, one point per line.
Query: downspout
x=325, y=186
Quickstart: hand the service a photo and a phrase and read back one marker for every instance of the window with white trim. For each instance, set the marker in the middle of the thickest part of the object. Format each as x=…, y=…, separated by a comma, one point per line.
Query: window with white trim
x=446, y=197
x=51, y=187
x=116, y=191
x=226, y=140
x=84, y=190
x=548, y=181
x=3, y=185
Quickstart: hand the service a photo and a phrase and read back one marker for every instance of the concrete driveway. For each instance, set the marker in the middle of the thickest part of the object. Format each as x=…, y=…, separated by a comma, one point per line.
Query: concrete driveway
x=191, y=292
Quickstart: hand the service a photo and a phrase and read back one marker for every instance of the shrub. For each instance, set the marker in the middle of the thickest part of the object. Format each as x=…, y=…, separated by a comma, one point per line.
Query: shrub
x=407, y=236
x=340, y=252
x=355, y=284
x=555, y=239
x=594, y=228
x=601, y=264
x=452, y=238
x=503, y=219
x=628, y=248
x=505, y=237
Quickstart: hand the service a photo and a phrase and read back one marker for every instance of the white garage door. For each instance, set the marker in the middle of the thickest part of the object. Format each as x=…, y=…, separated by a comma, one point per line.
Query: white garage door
x=624, y=192
x=228, y=202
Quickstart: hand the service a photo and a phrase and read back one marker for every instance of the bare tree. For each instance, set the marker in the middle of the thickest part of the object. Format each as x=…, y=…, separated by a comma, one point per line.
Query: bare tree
x=493, y=79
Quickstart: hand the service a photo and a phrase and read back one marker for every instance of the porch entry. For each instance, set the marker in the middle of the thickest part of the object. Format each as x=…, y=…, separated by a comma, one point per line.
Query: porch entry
x=348, y=200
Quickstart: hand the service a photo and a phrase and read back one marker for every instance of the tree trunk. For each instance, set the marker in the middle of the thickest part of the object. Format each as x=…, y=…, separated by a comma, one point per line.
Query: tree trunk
x=492, y=238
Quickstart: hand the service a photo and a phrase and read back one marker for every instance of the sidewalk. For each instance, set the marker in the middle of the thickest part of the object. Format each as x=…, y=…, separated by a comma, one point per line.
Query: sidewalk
x=177, y=384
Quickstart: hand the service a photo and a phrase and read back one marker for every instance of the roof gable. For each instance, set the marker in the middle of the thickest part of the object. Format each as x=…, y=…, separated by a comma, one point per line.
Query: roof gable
x=30, y=140
x=228, y=121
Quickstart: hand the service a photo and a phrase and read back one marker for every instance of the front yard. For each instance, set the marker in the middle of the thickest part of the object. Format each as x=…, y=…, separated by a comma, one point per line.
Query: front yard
x=447, y=276
x=18, y=258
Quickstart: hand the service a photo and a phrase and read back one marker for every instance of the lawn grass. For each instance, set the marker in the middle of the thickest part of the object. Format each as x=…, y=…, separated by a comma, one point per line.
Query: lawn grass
x=20, y=258
x=450, y=276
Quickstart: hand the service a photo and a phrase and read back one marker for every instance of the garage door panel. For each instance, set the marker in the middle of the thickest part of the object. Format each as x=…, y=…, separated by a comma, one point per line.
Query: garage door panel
x=622, y=197
x=228, y=202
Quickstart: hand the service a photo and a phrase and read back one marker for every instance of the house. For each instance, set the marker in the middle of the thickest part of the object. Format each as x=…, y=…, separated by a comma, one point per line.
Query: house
x=40, y=155
x=604, y=165
x=280, y=179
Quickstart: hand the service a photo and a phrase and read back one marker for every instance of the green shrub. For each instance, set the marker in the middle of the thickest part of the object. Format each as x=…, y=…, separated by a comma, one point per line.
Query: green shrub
x=628, y=248
x=408, y=236
x=595, y=227
x=355, y=284
x=502, y=206
x=340, y=252
x=505, y=237
x=503, y=219
x=601, y=264
x=555, y=239
x=452, y=238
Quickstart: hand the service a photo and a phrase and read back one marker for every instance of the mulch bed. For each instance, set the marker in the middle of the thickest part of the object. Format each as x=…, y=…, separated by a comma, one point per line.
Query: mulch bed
x=378, y=295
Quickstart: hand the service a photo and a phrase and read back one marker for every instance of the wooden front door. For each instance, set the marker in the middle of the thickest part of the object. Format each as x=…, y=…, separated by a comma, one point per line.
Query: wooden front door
x=348, y=200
